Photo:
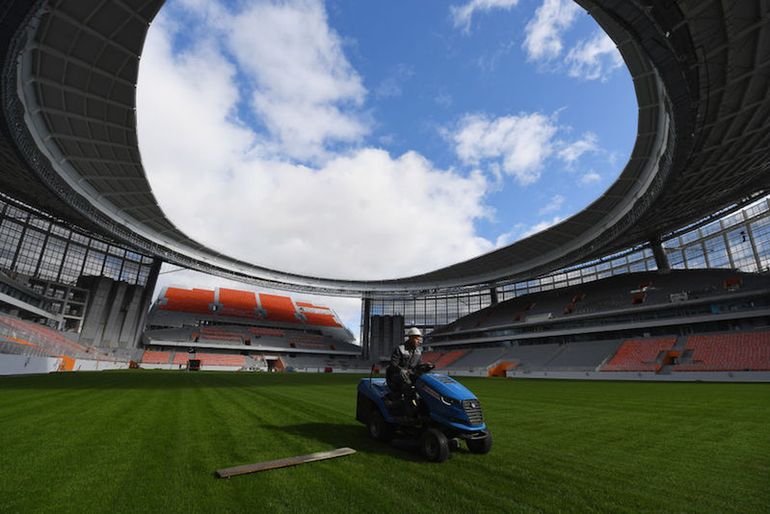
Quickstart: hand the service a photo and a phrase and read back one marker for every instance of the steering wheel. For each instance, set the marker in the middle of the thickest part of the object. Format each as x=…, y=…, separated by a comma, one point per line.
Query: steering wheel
x=425, y=367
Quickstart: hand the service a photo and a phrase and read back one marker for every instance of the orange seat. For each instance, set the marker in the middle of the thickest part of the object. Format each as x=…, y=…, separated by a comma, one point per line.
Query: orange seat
x=746, y=351
x=153, y=357
x=639, y=354
x=278, y=308
x=236, y=303
x=188, y=300
x=325, y=320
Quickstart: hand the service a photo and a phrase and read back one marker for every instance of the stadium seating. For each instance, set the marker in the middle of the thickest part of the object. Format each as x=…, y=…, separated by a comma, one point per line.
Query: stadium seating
x=219, y=334
x=313, y=317
x=311, y=306
x=181, y=358
x=443, y=360
x=614, y=295
x=727, y=352
x=236, y=303
x=533, y=356
x=47, y=340
x=187, y=300
x=278, y=308
x=581, y=356
x=308, y=341
x=325, y=320
x=639, y=354
x=266, y=331
x=478, y=358
x=179, y=308
x=217, y=359
x=13, y=346
x=153, y=357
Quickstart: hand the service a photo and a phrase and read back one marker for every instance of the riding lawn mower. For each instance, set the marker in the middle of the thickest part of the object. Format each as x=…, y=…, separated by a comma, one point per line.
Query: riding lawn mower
x=438, y=414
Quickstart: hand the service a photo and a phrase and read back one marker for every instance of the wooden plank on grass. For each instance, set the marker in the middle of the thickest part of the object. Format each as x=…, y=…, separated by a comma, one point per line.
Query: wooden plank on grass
x=282, y=463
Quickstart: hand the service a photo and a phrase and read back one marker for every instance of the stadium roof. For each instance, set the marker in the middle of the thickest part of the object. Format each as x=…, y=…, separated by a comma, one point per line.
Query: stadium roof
x=701, y=71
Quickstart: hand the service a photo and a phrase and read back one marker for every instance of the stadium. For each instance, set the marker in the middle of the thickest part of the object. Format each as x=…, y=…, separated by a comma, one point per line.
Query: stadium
x=621, y=355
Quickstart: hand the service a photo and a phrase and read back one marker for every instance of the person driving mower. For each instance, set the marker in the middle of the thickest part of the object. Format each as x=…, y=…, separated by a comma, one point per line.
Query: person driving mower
x=404, y=362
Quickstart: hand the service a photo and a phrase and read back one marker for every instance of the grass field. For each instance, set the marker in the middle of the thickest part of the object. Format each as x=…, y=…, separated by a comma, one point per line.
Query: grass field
x=149, y=441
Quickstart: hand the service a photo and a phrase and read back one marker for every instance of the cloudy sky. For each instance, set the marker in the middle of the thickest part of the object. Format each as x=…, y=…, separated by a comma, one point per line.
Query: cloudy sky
x=373, y=140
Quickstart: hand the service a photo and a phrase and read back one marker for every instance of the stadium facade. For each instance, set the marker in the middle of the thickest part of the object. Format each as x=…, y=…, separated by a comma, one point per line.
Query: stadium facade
x=77, y=203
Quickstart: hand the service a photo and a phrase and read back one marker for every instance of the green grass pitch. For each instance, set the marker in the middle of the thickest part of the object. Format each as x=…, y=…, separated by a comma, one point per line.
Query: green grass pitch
x=149, y=441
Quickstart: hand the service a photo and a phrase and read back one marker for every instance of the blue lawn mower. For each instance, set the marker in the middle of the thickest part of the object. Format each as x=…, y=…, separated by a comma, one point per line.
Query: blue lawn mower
x=444, y=413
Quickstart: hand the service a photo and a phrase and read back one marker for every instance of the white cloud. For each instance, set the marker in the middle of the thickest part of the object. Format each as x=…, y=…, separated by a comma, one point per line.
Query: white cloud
x=362, y=214
x=306, y=91
x=553, y=205
x=443, y=99
x=519, y=144
x=594, y=58
x=521, y=231
x=393, y=84
x=590, y=178
x=543, y=41
x=540, y=226
x=573, y=151
x=508, y=237
x=462, y=15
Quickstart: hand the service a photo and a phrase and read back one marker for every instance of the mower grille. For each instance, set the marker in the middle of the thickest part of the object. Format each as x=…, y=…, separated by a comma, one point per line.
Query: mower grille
x=473, y=409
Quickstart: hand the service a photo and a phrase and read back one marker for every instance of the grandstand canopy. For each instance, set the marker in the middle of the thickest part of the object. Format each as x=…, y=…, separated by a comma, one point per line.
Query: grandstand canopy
x=699, y=69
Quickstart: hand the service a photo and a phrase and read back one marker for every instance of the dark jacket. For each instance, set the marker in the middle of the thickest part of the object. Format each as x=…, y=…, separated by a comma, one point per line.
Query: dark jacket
x=402, y=362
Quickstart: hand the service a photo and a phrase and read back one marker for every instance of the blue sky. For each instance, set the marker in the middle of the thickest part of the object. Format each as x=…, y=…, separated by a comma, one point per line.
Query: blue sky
x=363, y=139
x=425, y=75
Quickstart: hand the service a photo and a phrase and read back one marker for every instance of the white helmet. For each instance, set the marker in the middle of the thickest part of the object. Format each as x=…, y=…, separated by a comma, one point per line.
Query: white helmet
x=414, y=331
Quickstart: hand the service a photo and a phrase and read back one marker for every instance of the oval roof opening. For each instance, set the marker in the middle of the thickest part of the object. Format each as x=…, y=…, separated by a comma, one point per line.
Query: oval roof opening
x=365, y=142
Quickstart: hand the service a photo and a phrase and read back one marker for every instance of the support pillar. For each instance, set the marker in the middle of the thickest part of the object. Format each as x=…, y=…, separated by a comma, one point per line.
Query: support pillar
x=366, y=311
x=149, y=289
x=661, y=259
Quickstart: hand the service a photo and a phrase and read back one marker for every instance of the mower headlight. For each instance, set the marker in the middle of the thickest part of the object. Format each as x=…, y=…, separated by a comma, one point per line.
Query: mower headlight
x=450, y=401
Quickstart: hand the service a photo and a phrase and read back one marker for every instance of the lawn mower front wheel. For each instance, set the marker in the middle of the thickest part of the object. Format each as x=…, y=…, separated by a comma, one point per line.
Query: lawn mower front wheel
x=434, y=445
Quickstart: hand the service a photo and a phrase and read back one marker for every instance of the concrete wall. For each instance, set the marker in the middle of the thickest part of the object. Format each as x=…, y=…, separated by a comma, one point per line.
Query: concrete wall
x=145, y=365
x=703, y=376
x=90, y=365
x=114, y=315
x=386, y=332
x=25, y=365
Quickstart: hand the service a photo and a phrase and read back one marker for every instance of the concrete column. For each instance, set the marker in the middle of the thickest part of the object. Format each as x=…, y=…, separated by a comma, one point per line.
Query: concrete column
x=366, y=312
x=149, y=289
x=493, y=296
x=661, y=259
x=750, y=235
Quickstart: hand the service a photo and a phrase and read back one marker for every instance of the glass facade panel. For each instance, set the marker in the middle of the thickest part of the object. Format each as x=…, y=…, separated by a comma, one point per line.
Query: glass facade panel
x=732, y=219
x=112, y=267
x=760, y=232
x=73, y=263
x=29, y=251
x=689, y=237
x=38, y=223
x=34, y=245
x=50, y=264
x=740, y=250
x=716, y=252
x=10, y=235
x=694, y=257
x=94, y=263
